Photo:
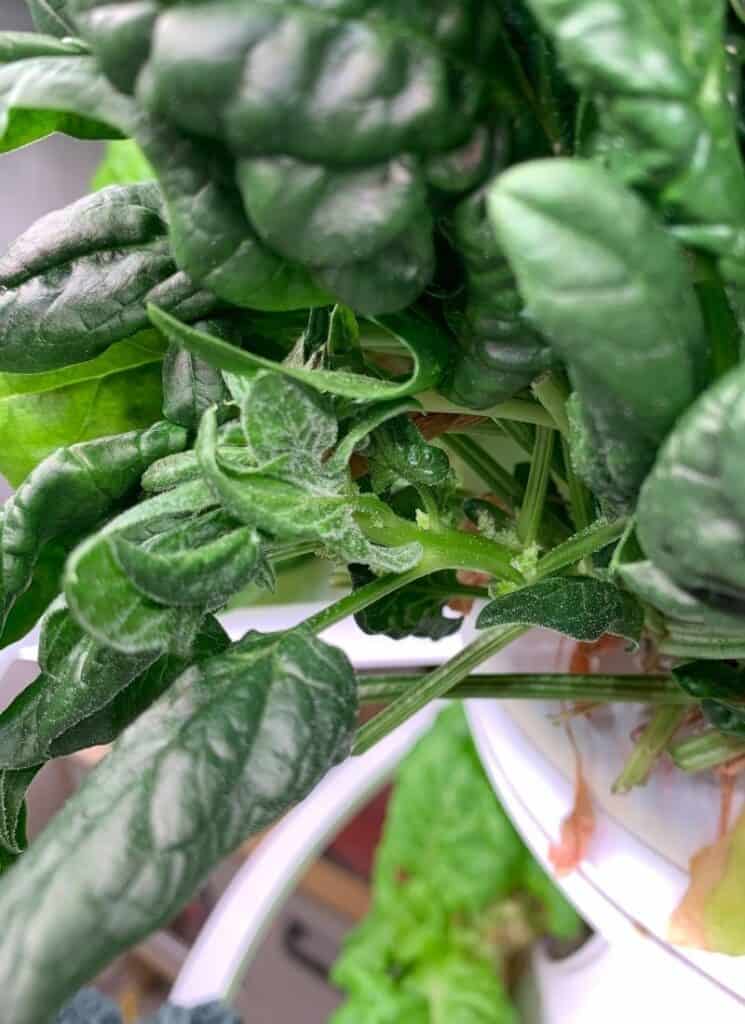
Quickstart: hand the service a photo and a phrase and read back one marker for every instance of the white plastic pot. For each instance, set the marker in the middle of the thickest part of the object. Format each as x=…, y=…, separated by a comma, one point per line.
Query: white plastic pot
x=636, y=871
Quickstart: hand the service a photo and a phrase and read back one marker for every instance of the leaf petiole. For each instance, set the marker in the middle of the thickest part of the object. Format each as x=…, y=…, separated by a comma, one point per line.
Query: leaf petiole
x=659, y=689
x=531, y=511
x=649, y=747
x=708, y=750
x=435, y=685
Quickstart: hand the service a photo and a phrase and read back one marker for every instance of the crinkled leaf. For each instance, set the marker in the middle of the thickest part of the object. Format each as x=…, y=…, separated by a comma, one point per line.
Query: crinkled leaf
x=610, y=290
x=315, y=214
x=292, y=496
x=384, y=1003
x=211, y=237
x=118, y=391
x=414, y=610
x=45, y=585
x=397, y=452
x=577, y=606
x=124, y=163
x=44, y=94
x=78, y=677
x=202, y=561
x=145, y=580
x=71, y=492
x=285, y=421
x=111, y=720
x=421, y=89
x=13, y=786
x=499, y=350
x=231, y=745
x=389, y=281
x=79, y=279
x=190, y=387
x=426, y=343
x=429, y=949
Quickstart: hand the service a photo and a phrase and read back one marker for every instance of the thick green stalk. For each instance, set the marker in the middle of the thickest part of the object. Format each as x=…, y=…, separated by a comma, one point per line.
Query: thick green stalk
x=708, y=750
x=593, y=539
x=436, y=684
x=443, y=548
x=649, y=747
x=531, y=510
x=358, y=600
x=634, y=689
x=679, y=644
x=524, y=437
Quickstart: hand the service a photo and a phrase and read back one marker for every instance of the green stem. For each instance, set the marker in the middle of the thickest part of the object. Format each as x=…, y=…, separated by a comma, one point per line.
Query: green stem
x=683, y=645
x=708, y=750
x=720, y=324
x=531, y=510
x=524, y=437
x=517, y=409
x=427, y=497
x=443, y=548
x=293, y=549
x=649, y=747
x=593, y=539
x=580, y=499
x=497, y=479
x=436, y=684
x=501, y=483
x=358, y=600
x=552, y=392
x=739, y=8
x=634, y=689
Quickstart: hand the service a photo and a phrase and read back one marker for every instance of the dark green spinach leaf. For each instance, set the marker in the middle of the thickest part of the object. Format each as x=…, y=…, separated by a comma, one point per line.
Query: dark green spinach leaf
x=48, y=85
x=608, y=287
x=414, y=610
x=231, y=745
x=577, y=606
x=690, y=518
x=80, y=279
x=71, y=492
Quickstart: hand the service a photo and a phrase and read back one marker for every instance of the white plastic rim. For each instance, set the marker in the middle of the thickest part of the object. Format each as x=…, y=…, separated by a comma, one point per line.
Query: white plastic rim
x=224, y=948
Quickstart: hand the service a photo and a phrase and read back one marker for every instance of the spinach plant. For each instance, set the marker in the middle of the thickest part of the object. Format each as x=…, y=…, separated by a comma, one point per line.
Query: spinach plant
x=341, y=263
